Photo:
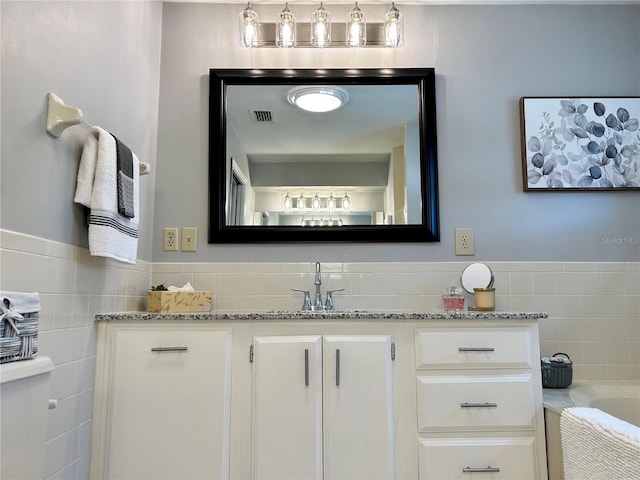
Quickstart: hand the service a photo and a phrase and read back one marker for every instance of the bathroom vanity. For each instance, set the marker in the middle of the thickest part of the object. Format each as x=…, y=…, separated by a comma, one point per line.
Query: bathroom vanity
x=318, y=396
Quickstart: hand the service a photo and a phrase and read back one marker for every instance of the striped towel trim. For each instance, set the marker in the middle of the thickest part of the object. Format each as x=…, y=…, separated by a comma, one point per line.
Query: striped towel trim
x=106, y=219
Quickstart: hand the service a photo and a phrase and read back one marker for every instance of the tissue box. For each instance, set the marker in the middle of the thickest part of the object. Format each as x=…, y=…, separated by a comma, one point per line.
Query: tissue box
x=179, y=301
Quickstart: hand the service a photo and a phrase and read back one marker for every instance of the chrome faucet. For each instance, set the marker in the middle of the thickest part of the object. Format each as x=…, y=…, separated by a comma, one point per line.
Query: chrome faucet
x=318, y=305
x=317, y=302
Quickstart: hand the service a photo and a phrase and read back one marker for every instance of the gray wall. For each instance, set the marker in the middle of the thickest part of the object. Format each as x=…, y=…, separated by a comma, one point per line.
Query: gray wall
x=486, y=58
x=103, y=57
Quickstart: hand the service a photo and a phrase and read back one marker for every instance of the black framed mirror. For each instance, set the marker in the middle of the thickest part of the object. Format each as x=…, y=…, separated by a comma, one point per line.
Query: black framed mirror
x=365, y=171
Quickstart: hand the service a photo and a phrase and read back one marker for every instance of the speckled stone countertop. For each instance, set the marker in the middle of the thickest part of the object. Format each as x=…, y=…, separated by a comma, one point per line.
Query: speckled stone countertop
x=334, y=315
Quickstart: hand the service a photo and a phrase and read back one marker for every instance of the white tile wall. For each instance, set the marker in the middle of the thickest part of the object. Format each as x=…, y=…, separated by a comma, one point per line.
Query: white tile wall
x=73, y=287
x=594, y=310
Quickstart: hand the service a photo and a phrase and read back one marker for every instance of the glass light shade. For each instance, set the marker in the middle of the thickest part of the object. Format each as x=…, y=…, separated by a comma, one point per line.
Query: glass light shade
x=320, y=27
x=318, y=99
x=286, y=28
x=393, y=27
x=346, y=202
x=300, y=203
x=315, y=202
x=331, y=203
x=288, y=203
x=249, y=27
x=356, y=28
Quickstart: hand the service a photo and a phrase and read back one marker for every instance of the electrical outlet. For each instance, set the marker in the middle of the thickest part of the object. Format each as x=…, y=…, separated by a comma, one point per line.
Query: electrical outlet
x=464, y=241
x=189, y=239
x=170, y=239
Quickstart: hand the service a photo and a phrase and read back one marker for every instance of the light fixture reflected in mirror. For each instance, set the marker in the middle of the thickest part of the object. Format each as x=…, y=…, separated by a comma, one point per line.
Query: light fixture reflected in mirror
x=318, y=203
x=393, y=27
x=321, y=27
x=356, y=28
x=249, y=27
x=287, y=202
x=318, y=99
x=315, y=202
x=346, y=202
x=286, y=28
x=331, y=203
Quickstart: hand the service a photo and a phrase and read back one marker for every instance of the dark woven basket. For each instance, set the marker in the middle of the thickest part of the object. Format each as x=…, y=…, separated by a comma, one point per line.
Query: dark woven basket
x=557, y=375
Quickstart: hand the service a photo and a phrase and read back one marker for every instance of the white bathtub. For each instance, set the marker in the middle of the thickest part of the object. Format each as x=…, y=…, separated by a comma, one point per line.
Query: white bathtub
x=620, y=399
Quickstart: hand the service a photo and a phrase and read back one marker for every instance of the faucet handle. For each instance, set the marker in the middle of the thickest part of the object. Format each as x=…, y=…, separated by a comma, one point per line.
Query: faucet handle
x=328, y=303
x=306, y=303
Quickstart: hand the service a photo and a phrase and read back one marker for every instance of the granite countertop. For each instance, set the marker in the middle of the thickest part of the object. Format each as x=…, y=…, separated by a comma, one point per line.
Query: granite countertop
x=333, y=315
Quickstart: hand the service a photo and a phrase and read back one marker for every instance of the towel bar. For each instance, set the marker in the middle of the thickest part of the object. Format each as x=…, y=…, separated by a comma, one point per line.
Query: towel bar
x=61, y=116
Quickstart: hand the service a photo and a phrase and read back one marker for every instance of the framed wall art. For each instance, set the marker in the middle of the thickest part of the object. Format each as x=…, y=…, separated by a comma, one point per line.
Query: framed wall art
x=586, y=143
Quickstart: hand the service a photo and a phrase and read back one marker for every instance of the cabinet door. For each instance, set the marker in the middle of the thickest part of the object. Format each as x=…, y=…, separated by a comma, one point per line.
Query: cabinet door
x=287, y=408
x=358, y=408
x=169, y=404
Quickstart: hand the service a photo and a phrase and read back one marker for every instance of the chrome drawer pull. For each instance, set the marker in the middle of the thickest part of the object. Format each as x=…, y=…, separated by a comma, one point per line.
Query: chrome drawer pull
x=306, y=367
x=478, y=405
x=480, y=470
x=169, y=349
x=476, y=349
x=337, y=367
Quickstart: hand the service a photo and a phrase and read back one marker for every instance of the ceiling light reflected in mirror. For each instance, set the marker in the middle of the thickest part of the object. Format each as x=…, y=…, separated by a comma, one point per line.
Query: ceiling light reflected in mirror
x=318, y=99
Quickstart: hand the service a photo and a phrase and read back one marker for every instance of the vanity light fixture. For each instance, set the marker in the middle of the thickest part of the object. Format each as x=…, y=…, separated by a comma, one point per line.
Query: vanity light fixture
x=286, y=28
x=287, y=202
x=249, y=27
x=346, y=202
x=393, y=27
x=287, y=33
x=300, y=203
x=318, y=99
x=329, y=204
x=356, y=28
x=321, y=27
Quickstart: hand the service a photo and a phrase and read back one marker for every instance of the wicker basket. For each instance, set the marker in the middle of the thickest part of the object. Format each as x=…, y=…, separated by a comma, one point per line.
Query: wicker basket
x=18, y=334
x=557, y=374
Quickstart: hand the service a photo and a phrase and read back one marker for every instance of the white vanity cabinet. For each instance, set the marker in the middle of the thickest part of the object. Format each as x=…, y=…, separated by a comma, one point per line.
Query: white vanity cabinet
x=323, y=407
x=161, y=402
x=317, y=397
x=479, y=402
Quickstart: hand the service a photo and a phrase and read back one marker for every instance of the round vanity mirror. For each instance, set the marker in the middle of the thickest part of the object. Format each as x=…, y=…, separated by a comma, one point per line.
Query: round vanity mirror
x=476, y=275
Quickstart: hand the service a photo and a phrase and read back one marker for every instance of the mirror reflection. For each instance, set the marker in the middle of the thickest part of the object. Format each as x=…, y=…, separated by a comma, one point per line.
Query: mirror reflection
x=353, y=162
x=322, y=155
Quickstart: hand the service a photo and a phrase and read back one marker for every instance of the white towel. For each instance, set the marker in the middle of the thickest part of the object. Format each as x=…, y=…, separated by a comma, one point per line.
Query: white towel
x=598, y=446
x=21, y=302
x=110, y=233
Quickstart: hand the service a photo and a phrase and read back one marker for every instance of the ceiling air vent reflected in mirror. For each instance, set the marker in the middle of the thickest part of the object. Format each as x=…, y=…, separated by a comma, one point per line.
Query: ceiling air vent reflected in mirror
x=263, y=116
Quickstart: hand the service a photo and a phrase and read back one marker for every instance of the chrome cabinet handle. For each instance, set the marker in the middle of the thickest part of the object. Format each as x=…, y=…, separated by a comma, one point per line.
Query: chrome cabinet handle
x=476, y=349
x=480, y=470
x=306, y=367
x=337, y=367
x=478, y=405
x=169, y=349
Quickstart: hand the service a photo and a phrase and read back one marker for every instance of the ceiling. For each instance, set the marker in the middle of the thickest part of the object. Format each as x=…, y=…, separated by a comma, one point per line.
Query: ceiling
x=426, y=2
x=371, y=122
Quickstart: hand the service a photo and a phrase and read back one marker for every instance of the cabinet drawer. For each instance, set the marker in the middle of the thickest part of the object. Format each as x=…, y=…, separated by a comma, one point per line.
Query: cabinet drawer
x=477, y=458
x=475, y=402
x=473, y=347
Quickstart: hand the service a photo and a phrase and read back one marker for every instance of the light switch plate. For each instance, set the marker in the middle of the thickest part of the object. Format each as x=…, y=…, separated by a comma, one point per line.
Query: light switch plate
x=189, y=239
